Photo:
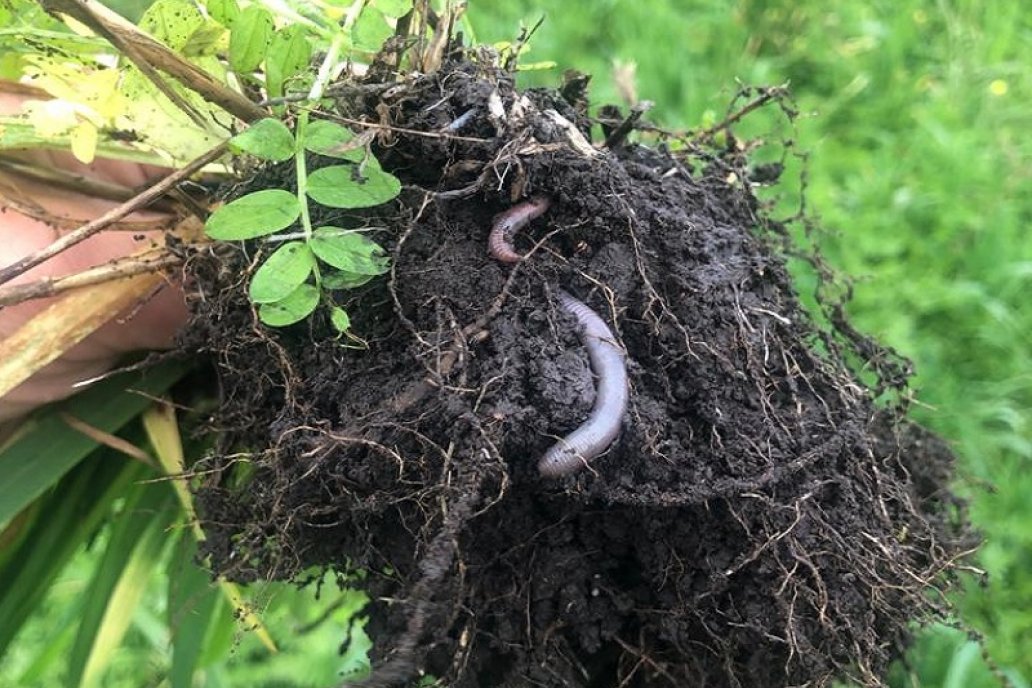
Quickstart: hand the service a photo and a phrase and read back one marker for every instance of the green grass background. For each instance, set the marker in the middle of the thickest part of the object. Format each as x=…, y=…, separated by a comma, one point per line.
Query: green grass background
x=915, y=115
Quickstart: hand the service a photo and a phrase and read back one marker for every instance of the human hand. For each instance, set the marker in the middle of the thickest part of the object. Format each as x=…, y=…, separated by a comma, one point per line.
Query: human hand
x=150, y=326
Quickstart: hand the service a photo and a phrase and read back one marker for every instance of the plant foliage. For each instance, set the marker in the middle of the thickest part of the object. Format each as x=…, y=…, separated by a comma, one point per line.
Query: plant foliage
x=289, y=284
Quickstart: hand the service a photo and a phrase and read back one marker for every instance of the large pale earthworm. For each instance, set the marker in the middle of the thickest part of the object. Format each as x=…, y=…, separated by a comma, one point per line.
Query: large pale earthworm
x=594, y=436
x=499, y=241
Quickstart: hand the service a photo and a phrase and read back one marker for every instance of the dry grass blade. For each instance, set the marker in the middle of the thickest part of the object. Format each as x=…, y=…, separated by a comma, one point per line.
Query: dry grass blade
x=64, y=179
x=159, y=422
x=107, y=439
x=66, y=323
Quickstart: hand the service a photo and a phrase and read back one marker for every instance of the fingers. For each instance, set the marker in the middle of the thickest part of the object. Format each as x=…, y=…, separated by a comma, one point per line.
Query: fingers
x=152, y=325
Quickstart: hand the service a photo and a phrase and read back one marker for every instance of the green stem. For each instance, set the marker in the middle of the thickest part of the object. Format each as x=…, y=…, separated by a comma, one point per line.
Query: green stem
x=321, y=79
x=302, y=172
x=302, y=185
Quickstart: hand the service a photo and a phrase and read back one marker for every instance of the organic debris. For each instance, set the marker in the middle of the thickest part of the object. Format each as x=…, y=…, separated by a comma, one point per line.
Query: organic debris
x=761, y=520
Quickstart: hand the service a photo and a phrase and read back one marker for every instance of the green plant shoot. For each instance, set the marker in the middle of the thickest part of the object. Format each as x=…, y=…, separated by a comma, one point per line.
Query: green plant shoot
x=297, y=275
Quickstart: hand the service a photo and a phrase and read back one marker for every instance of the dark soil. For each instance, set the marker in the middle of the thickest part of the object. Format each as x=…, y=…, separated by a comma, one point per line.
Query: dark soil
x=761, y=521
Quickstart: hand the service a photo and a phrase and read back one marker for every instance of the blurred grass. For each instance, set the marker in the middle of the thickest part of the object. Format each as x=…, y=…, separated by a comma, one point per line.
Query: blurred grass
x=231, y=655
x=916, y=116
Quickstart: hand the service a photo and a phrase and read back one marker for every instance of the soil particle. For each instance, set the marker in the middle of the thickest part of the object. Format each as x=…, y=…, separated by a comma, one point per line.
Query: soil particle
x=760, y=521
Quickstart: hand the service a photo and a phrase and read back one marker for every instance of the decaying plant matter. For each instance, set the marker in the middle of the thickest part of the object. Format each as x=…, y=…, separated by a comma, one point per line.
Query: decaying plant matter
x=761, y=520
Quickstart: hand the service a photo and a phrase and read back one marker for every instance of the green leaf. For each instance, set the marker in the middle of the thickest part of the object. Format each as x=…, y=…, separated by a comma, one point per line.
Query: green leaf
x=172, y=22
x=299, y=305
x=249, y=39
x=268, y=139
x=204, y=40
x=156, y=120
x=223, y=633
x=138, y=537
x=960, y=669
x=393, y=8
x=192, y=606
x=38, y=459
x=68, y=516
x=52, y=653
x=282, y=272
x=349, y=251
x=371, y=30
x=333, y=140
x=254, y=215
x=17, y=132
x=339, y=318
x=224, y=12
x=341, y=279
x=289, y=53
x=339, y=186
x=355, y=660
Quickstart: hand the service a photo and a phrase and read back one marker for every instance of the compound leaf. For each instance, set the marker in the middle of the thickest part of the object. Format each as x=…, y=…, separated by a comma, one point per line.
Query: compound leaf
x=341, y=279
x=224, y=12
x=393, y=8
x=333, y=140
x=249, y=39
x=289, y=53
x=339, y=318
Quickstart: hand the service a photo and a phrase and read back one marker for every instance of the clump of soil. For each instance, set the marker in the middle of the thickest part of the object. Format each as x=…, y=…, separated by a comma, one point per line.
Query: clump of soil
x=761, y=521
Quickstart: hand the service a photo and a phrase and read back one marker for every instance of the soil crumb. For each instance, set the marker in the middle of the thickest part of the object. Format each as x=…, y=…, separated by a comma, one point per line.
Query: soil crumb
x=768, y=515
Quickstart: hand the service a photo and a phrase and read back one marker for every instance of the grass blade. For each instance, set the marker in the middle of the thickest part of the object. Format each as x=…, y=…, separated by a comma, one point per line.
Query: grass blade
x=138, y=537
x=192, y=606
x=66, y=517
x=65, y=323
x=38, y=459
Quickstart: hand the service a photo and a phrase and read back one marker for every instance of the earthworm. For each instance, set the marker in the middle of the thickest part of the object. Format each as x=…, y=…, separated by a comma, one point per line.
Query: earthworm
x=499, y=241
x=594, y=435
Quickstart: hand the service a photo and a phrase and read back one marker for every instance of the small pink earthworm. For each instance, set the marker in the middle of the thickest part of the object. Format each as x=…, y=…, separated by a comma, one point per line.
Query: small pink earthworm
x=506, y=224
x=594, y=435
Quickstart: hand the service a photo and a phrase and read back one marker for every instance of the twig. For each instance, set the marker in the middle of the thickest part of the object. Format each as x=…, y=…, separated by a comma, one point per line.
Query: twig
x=115, y=270
x=627, y=126
x=16, y=88
x=341, y=88
x=521, y=42
x=401, y=130
x=107, y=439
x=141, y=200
x=766, y=95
